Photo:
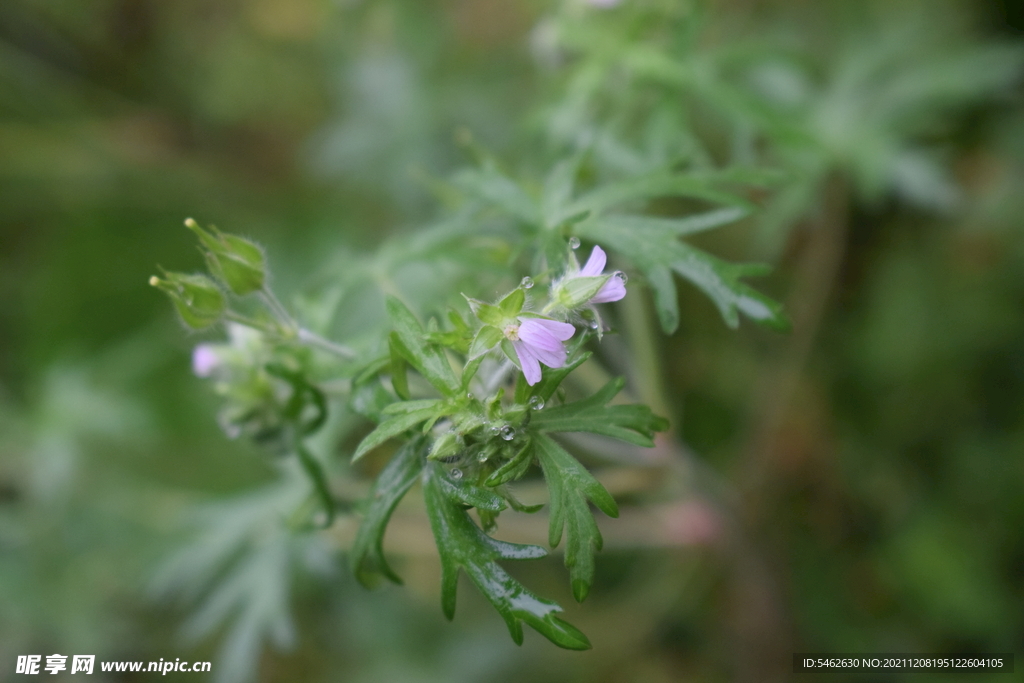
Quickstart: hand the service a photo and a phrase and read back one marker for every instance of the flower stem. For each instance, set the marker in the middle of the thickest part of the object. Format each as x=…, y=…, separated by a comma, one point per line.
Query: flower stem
x=316, y=341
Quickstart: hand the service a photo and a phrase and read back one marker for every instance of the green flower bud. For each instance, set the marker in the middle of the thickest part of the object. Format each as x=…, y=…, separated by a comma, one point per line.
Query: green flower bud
x=576, y=291
x=445, y=446
x=199, y=301
x=233, y=260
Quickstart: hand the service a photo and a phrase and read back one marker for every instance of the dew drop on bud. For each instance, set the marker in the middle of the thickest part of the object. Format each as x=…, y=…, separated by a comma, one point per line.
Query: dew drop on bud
x=574, y=242
x=622, y=276
x=456, y=474
x=537, y=403
x=507, y=433
x=594, y=324
x=526, y=282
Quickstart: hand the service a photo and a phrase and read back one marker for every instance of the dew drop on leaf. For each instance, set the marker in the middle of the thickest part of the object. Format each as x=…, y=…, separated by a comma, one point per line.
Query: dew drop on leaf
x=456, y=474
x=526, y=282
x=507, y=433
x=536, y=402
x=574, y=242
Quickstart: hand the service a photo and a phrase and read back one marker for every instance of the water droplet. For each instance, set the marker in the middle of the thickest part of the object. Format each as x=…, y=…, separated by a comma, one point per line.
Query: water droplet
x=574, y=242
x=507, y=433
x=537, y=403
x=526, y=282
x=495, y=429
x=622, y=276
x=456, y=474
x=470, y=396
x=482, y=456
x=594, y=324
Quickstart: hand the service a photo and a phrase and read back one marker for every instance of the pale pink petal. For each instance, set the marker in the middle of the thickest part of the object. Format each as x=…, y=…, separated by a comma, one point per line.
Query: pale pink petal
x=559, y=330
x=595, y=264
x=613, y=290
x=553, y=357
x=529, y=364
x=204, y=360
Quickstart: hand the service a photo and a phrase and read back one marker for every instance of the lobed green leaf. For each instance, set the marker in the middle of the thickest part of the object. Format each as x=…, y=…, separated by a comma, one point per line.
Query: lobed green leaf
x=367, y=555
x=462, y=545
x=570, y=486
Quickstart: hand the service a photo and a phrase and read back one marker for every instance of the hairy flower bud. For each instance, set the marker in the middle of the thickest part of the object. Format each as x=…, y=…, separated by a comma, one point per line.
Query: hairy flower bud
x=233, y=260
x=199, y=301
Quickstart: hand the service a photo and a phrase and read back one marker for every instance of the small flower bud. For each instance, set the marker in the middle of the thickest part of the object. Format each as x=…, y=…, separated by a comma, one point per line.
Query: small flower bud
x=233, y=260
x=445, y=446
x=577, y=291
x=199, y=301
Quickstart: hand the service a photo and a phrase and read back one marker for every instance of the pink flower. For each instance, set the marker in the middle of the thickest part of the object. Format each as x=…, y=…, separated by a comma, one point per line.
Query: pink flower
x=538, y=340
x=204, y=360
x=614, y=289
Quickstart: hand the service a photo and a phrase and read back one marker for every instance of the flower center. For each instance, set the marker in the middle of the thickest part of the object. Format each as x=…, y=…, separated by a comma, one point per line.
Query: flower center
x=512, y=332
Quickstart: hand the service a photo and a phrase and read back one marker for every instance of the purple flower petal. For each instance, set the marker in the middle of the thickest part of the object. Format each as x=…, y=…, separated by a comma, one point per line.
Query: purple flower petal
x=595, y=264
x=613, y=290
x=558, y=330
x=529, y=364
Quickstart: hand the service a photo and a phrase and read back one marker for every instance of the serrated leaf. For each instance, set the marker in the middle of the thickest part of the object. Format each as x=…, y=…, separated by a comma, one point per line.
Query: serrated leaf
x=367, y=555
x=570, y=486
x=462, y=545
x=486, y=339
x=393, y=427
x=411, y=342
x=632, y=423
x=718, y=279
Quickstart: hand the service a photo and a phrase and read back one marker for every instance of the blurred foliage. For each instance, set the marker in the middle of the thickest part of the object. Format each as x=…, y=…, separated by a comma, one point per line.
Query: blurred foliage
x=852, y=487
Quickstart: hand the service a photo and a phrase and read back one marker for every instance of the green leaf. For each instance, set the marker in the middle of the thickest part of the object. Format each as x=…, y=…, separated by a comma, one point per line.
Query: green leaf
x=513, y=302
x=570, y=486
x=399, y=368
x=470, y=495
x=410, y=341
x=513, y=469
x=393, y=427
x=666, y=300
x=654, y=185
x=718, y=279
x=489, y=184
x=406, y=407
x=644, y=226
x=462, y=545
x=319, y=480
x=367, y=555
x=486, y=339
x=558, y=188
x=632, y=423
x=488, y=314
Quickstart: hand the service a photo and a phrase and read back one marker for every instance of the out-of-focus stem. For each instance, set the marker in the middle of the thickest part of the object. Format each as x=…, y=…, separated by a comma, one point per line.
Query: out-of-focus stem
x=315, y=340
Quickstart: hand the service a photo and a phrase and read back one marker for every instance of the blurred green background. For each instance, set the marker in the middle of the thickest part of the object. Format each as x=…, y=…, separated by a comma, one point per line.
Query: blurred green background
x=855, y=486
